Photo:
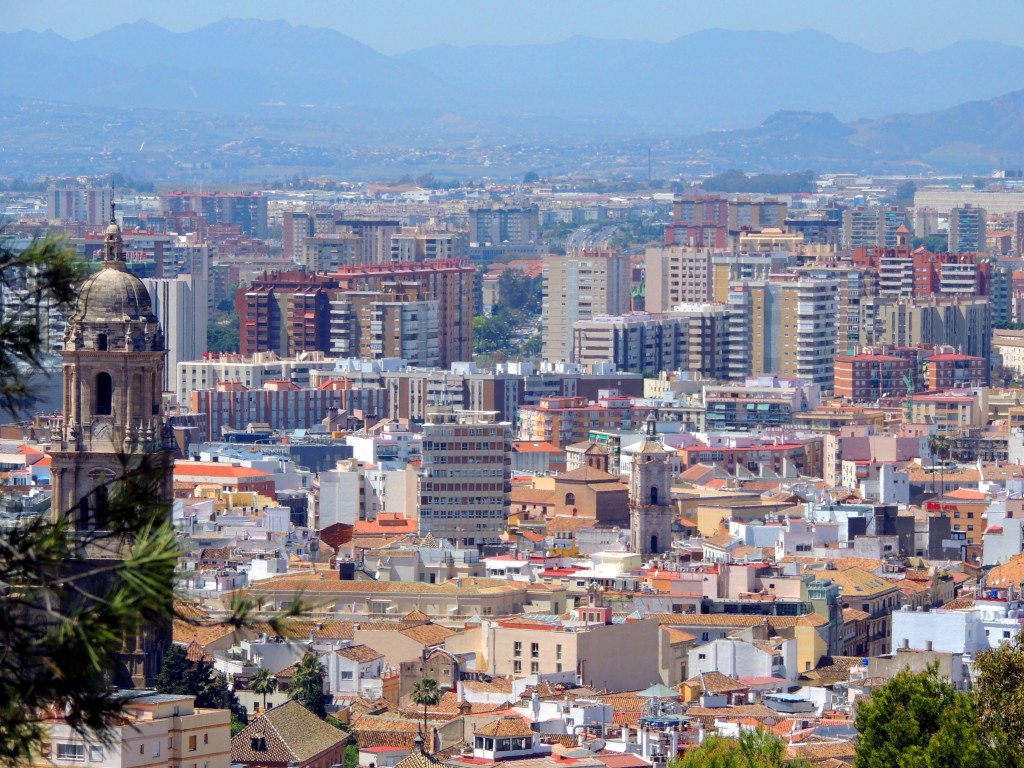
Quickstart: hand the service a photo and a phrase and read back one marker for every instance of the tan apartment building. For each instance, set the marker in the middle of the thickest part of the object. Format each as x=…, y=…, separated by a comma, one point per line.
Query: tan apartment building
x=157, y=731
x=325, y=592
x=674, y=275
x=784, y=326
x=580, y=287
x=591, y=650
x=728, y=268
x=963, y=323
x=465, y=477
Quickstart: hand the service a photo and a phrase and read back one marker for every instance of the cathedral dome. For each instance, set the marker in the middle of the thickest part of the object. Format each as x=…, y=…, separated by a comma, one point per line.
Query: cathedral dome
x=113, y=295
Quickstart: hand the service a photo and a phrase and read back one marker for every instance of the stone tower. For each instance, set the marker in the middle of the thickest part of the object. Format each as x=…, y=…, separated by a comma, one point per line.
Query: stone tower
x=650, y=495
x=113, y=362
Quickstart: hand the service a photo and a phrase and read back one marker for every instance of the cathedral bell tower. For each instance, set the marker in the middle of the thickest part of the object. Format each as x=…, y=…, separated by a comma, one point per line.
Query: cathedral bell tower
x=650, y=495
x=113, y=363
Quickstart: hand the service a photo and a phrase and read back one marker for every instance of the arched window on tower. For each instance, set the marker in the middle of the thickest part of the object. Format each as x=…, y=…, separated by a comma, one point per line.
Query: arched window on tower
x=570, y=498
x=101, y=342
x=654, y=494
x=104, y=394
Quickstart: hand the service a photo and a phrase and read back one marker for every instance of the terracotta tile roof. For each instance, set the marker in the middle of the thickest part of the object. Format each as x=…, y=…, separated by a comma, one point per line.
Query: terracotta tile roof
x=531, y=496
x=679, y=636
x=418, y=759
x=506, y=726
x=852, y=614
x=216, y=469
x=736, y=620
x=329, y=581
x=831, y=670
x=839, y=564
x=189, y=610
x=856, y=582
x=708, y=715
x=387, y=730
x=959, y=603
x=359, y=653
x=588, y=474
x=714, y=682
x=496, y=685
x=197, y=654
x=429, y=634
x=292, y=734
x=1010, y=573
x=565, y=524
x=966, y=494
x=204, y=634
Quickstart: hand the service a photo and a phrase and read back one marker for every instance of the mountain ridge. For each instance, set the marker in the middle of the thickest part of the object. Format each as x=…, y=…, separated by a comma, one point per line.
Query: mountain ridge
x=747, y=99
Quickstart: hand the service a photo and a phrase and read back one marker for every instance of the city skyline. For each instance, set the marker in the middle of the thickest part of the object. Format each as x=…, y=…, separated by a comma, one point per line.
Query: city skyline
x=922, y=25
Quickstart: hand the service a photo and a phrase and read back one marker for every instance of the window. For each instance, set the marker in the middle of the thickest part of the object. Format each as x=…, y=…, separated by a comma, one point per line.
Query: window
x=346, y=675
x=517, y=666
x=71, y=752
x=95, y=754
x=534, y=667
x=534, y=650
x=104, y=394
x=142, y=749
x=193, y=743
x=517, y=648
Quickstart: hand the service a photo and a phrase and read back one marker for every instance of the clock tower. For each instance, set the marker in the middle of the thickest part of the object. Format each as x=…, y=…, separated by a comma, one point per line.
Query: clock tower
x=113, y=363
x=650, y=495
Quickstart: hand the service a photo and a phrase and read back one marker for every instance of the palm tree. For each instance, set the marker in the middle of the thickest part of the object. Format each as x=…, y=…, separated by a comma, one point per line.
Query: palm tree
x=939, y=446
x=307, y=686
x=427, y=693
x=263, y=682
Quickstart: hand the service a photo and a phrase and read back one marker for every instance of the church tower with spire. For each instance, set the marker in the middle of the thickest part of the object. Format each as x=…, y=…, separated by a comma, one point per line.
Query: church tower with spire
x=650, y=495
x=113, y=362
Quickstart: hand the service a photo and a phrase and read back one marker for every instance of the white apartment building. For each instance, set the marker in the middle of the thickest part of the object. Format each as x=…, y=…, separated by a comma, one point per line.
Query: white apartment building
x=252, y=372
x=181, y=304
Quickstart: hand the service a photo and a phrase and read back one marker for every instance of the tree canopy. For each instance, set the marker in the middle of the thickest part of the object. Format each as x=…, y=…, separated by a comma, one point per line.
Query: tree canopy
x=735, y=180
x=918, y=720
x=64, y=617
x=754, y=749
x=307, y=686
x=426, y=693
x=199, y=679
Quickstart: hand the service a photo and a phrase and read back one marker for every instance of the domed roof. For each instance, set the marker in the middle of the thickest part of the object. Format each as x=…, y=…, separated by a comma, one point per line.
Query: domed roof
x=113, y=295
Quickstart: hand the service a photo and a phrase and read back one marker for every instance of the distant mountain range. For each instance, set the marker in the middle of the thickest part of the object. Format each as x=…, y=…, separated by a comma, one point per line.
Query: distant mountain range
x=316, y=94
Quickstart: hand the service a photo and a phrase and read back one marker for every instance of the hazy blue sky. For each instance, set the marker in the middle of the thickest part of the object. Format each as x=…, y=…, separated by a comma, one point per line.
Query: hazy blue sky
x=397, y=25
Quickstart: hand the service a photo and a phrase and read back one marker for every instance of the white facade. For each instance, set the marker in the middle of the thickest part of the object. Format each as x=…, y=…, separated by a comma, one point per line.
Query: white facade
x=339, y=497
x=738, y=659
x=252, y=372
x=350, y=673
x=181, y=305
x=988, y=625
